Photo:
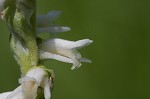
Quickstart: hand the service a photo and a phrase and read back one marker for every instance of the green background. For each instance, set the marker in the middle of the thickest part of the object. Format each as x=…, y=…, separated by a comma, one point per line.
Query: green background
x=120, y=52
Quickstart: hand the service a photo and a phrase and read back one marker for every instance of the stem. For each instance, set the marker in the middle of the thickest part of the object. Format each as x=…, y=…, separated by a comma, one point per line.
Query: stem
x=20, y=16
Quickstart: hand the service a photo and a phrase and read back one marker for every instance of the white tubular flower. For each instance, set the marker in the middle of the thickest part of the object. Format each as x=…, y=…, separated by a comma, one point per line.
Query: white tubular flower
x=44, y=23
x=29, y=85
x=34, y=78
x=64, y=50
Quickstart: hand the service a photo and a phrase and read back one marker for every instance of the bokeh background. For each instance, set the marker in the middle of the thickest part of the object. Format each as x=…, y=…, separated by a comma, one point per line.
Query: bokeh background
x=120, y=52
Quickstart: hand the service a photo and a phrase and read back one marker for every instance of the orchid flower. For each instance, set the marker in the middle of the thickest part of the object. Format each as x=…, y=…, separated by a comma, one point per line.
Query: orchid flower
x=35, y=78
x=56, y=48
x=64, y=51
x=45, y=23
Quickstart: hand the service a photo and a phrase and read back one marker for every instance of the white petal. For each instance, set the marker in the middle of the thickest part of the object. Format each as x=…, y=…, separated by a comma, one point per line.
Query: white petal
x=47, y=19
x=61, y=43
x=48, y=55
x=47, y=91
x=85, y=60
x=38, y=74
x=52, y=29
x=16, y=94
x=76, y=65
x=4, y=95
x=29, y=88
x=81, y=43
x=55, y=44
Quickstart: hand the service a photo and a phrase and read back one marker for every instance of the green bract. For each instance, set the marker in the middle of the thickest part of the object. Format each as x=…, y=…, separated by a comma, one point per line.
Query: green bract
x=21, y=20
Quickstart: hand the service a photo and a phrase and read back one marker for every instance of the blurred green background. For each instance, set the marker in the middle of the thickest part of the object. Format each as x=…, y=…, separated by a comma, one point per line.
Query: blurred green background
x=120, y=52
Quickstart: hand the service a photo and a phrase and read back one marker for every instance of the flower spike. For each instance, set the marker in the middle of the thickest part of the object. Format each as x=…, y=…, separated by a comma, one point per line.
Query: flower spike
x=30, y=50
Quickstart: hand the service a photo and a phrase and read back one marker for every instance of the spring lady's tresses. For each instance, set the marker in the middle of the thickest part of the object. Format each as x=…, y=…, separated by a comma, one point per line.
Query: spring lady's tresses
x=30, y=50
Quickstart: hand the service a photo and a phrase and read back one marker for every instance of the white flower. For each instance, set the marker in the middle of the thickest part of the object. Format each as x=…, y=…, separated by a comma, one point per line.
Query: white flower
x=29, y=85
x=59, y=49
x=64, y=50
x=45, y=23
